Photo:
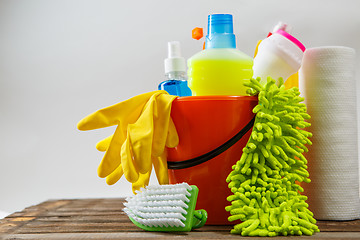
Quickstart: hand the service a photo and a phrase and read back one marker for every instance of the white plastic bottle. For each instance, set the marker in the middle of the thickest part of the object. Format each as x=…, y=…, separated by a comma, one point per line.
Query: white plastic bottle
x=279, y=55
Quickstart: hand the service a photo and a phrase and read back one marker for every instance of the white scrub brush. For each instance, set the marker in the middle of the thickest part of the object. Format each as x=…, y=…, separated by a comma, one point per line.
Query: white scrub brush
x=166, y=208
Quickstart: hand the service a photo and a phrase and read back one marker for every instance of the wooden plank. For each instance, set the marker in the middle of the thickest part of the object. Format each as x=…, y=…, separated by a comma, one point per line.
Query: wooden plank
x=114, y=224
x=9, y=224
x=339, y=226
x=40, y=209
x=160, y=236
x=104, y=219
x=19, y=219
x=73, y=227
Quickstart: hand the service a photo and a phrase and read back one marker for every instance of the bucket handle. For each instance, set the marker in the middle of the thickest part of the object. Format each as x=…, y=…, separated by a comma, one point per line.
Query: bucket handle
x=213, y=153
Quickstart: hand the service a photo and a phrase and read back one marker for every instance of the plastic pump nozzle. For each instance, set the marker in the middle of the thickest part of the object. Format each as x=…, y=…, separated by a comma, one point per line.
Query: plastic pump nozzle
x=175, y=72
x=174, y=62
x=220, y=32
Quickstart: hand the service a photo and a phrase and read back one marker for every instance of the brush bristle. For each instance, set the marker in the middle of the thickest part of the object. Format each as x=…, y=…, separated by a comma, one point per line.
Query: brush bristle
x=160, y=206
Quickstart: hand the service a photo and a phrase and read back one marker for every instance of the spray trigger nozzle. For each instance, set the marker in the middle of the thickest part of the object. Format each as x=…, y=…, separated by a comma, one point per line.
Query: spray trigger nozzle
x=174, y=61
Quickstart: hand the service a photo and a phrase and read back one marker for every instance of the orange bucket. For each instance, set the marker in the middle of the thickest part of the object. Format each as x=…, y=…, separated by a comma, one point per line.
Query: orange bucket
x=212, y=131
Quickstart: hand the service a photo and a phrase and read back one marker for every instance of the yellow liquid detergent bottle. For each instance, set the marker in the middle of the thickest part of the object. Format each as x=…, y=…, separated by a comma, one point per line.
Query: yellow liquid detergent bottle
x=219, y=69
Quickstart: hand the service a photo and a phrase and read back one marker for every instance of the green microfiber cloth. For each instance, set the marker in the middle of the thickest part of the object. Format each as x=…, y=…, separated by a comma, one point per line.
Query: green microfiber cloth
x=265, y=181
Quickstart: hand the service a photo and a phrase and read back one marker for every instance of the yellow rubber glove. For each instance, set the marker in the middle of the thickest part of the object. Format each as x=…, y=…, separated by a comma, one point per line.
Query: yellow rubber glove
x=141, y=182
x=103, y=145
x=171, y=141
x=140, y=140
x=148, y=135
x=144, y=129
x=161, y=170
x=160, y=166
x=160, y=163
x=119, y=114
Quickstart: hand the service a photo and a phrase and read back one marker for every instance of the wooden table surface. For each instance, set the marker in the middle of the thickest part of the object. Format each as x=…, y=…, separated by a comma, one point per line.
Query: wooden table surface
x=104, y=219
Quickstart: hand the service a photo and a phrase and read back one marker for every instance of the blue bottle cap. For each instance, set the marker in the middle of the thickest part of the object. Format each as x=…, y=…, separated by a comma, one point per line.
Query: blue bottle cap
x=220, y=32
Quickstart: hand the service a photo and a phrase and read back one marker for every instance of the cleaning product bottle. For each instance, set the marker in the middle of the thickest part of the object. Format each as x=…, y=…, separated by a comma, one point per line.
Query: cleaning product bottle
x=279, y=55
x=280, y=25
x=175, y=72
x=219, y=69
x=293, y=80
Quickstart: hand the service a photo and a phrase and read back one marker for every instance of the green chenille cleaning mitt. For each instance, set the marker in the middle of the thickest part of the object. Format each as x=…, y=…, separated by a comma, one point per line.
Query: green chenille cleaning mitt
x=265, y=181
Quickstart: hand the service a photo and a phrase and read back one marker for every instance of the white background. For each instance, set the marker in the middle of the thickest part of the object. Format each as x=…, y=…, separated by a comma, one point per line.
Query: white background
x=61, y=60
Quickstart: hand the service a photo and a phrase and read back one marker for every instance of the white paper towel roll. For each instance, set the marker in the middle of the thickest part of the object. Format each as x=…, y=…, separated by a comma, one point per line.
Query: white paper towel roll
x=327, y=83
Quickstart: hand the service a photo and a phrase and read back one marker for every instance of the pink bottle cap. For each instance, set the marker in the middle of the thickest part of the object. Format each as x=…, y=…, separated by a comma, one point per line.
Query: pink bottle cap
x=292, y=39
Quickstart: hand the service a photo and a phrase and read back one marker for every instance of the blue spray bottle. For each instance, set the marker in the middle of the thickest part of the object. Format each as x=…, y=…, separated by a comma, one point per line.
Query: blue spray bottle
x=175, y=72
